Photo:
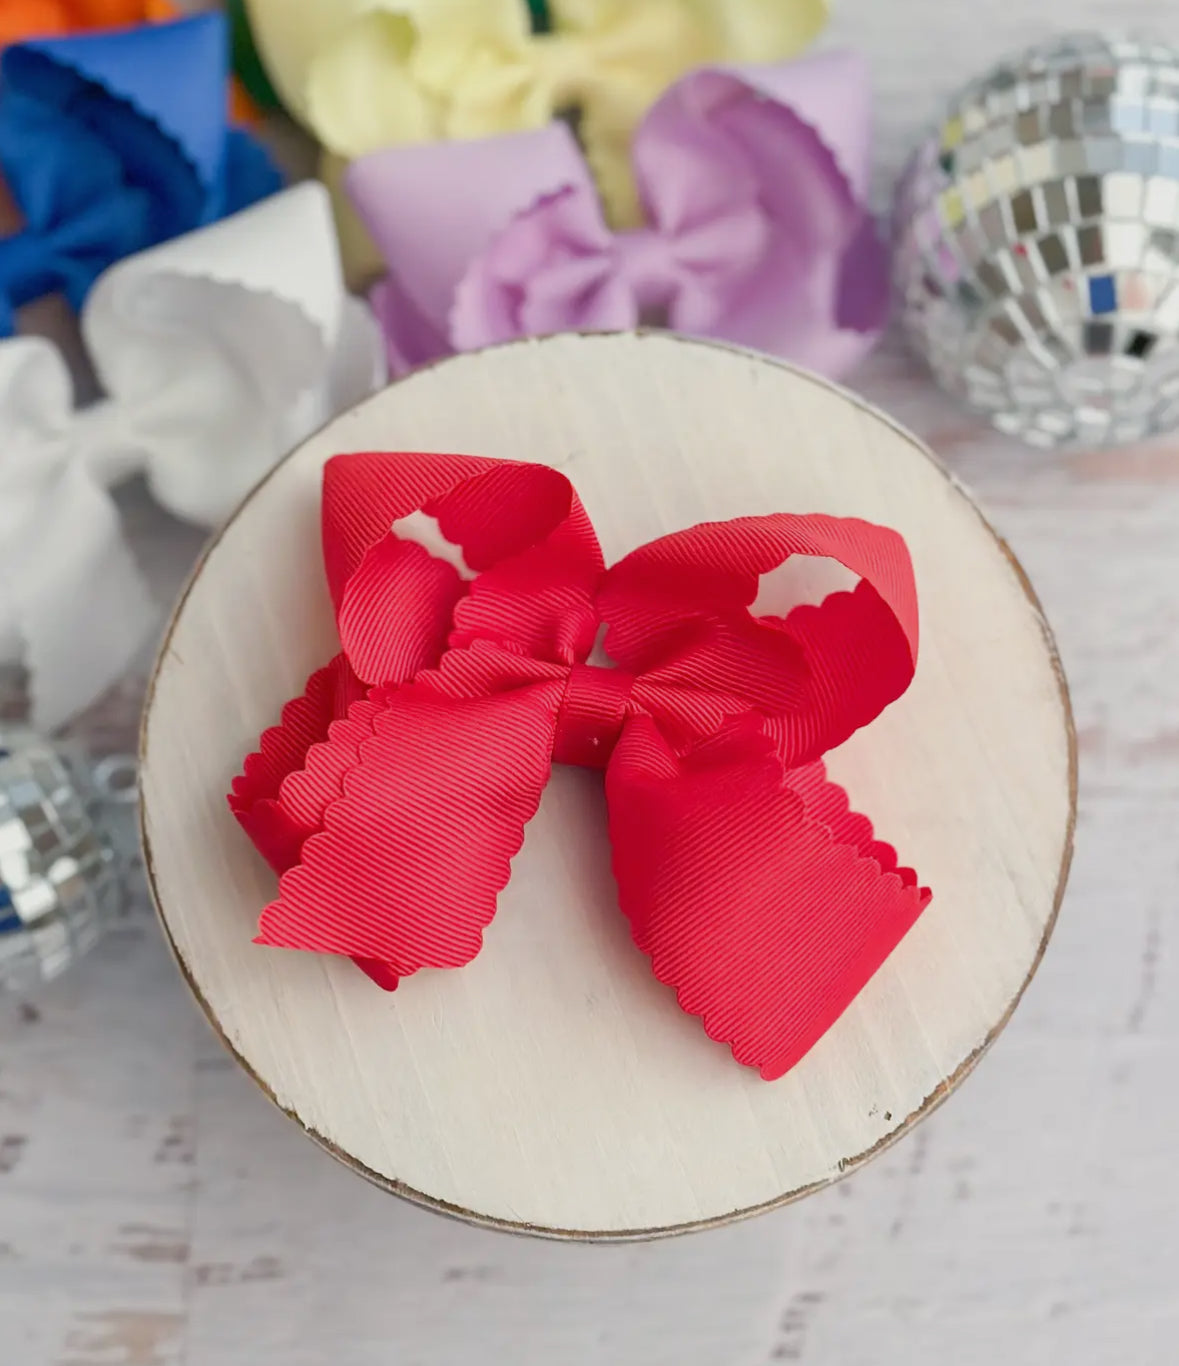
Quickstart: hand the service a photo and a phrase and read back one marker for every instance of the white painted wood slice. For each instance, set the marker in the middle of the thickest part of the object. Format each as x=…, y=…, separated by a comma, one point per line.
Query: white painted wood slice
x=553, y=1085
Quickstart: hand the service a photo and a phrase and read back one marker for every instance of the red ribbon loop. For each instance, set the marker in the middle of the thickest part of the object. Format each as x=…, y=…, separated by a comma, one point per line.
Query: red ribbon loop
x=394, y=793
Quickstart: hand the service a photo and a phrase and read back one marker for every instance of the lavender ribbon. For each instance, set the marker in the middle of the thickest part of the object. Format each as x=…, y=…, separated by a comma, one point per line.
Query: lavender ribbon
x=753, y=182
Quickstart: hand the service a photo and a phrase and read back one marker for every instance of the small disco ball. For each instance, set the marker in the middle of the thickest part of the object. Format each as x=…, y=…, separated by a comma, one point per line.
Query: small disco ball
x=58, y=877
x=1036, y=241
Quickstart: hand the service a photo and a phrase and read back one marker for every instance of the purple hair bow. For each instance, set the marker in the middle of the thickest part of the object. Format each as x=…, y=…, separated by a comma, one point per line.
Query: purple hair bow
x=753, y=184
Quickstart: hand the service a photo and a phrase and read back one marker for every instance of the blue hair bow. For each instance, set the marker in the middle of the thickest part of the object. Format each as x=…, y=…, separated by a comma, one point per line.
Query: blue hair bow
x=111, y=142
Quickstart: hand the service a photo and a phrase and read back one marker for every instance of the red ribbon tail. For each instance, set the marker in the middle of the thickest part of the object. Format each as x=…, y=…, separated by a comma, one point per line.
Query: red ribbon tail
x=763, y=907
x=405, y=871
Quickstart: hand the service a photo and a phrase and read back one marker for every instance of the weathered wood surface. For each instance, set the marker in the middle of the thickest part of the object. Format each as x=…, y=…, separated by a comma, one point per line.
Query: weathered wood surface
x=156, y=1211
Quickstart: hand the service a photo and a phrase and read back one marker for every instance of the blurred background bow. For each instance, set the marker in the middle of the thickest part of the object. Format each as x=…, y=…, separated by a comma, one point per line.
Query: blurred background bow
x=367, y=74
x=217, y=352
x=752, y=183
x=110, y=142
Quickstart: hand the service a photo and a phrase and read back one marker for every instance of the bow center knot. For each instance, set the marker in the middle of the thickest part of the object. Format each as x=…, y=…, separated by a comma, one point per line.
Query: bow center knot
x=650, y=269
x=590, y=718
x=560, y=62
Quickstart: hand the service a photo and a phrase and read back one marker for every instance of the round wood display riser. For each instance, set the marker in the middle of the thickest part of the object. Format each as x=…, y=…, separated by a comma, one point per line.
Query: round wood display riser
x=553, y=1086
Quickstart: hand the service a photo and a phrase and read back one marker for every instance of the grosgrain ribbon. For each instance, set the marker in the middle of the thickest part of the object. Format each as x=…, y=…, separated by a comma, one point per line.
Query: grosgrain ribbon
x=394, y=794
x=111, y=142
x=217, y=351
x=754, y=183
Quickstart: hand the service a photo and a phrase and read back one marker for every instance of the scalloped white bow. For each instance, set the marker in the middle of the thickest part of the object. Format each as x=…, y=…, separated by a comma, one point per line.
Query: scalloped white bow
x=218, y=351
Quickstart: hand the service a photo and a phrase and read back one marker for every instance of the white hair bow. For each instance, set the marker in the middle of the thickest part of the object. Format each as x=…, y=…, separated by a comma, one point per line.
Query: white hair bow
x=217, y=353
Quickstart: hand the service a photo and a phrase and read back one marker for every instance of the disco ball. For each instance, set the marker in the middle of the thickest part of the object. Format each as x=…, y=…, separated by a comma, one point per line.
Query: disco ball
x=59, y=882
x=1036, y=241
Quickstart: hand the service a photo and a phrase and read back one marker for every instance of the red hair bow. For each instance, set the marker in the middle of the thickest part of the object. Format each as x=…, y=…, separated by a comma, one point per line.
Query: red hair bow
x=394, y=794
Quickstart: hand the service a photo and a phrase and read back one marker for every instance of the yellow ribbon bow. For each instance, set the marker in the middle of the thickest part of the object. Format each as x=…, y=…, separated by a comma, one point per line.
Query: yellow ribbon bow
x=366, y=74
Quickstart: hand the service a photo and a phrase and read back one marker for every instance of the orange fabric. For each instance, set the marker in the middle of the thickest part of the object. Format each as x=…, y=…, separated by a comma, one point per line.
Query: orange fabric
x=242, y=108
x=39, y=18
x=26, y=18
